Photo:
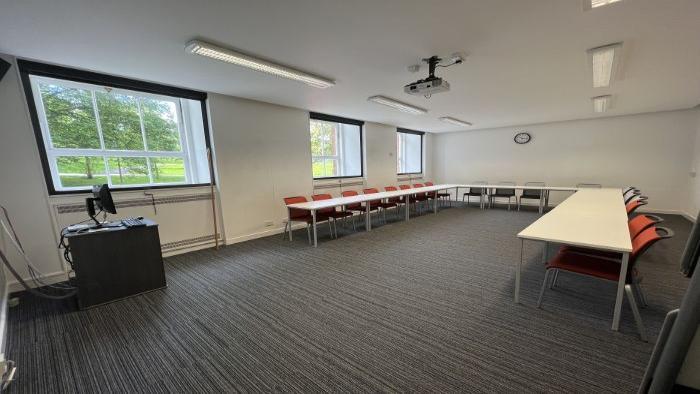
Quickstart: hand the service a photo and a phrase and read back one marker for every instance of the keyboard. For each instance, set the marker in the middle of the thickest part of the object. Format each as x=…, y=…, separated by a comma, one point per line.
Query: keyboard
x=133, y=222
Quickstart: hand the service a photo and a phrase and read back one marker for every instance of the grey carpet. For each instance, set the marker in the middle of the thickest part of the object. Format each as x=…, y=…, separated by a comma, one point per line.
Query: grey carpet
x=425, y=305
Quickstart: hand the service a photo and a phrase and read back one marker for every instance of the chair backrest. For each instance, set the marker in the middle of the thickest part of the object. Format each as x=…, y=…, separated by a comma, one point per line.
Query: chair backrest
x=637, y=196
x=589, y=186
x=645, y=239
x=630, y=189
x=429, y=184
x=507, y=191
x=532, y=192
x=295, y=213
x=417, y=185
x=324, y=196
x=478, y=190
x=640, y=223
x=390, y=188
x=370, y=190
x=634, y=205
x=404, y=187
x=350, y=193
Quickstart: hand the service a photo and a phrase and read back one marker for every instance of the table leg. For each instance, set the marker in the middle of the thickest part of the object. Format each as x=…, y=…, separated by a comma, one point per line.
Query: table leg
x=541, y=203
x=456, y=196
x=313, y=222
x=620, y=291
x=545, y=251
x=518, y=268
x=368, y=219
x=289, y=222
x=406, y=205
x=435, y=201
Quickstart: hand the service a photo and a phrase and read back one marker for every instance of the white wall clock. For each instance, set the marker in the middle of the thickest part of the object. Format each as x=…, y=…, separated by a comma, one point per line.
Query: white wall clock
x=522, y=138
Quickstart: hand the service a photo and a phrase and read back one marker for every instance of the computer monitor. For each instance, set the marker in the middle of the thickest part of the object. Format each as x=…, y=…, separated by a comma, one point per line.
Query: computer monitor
x=102, y=197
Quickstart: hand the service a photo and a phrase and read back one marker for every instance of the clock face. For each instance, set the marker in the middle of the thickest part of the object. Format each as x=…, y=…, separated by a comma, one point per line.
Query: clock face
x=522, y=138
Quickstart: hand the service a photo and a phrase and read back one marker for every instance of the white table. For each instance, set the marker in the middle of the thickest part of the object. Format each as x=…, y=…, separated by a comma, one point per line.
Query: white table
x=544, y=191
x=590, y=218
x=314, y=206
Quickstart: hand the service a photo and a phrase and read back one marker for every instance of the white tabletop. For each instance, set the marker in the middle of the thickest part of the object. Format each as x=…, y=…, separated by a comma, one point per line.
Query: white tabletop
x=594, y=218
x=518, y=187
x=338, y=201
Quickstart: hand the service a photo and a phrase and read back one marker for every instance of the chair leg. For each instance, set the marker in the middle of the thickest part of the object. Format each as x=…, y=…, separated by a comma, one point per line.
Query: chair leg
x=544, y=286
x=284, y=233
x=554, y=279
x=635, y=312
x=642, y=296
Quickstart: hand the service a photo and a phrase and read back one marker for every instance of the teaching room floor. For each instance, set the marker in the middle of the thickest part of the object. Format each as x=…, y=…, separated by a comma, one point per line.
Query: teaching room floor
x=423, y=305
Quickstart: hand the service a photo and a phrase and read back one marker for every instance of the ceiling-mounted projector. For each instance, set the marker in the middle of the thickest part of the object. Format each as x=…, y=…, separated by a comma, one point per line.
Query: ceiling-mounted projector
x=426, y=87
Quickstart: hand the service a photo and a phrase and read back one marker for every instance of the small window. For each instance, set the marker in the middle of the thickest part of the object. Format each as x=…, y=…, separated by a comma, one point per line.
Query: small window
x=97, y=133
x=409, y=152
x=336, y=147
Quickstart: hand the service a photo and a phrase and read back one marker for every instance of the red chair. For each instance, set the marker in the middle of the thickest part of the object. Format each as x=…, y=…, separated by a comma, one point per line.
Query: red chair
x=604, y=268
x=302, y=215
x=634, y=205
x=356, y=207
x=420, y=197
x=636, y=225
x=411, y=198
x=333, y=212
x=440, y=195
x=379, y=203
x=396, y=200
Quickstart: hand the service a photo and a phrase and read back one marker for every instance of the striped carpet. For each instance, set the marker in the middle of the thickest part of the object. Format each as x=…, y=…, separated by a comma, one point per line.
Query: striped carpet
x=424, y=305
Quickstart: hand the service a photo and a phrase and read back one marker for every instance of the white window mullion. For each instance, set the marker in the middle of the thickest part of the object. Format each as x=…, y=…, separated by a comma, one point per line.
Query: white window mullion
x=97, y=119
x=184, y=141
x=143, y=128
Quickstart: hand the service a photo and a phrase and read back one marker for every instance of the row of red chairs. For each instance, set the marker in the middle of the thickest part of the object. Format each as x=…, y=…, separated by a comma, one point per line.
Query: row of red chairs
x=605, y=265
x=330, y=215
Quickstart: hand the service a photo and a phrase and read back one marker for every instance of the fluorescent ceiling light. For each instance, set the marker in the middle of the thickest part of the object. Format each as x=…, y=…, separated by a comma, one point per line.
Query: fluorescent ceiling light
x=240, y=59
x=604, y=61
x=455, y=121
x=389, y=102
x=600, y=3
x=601, y=103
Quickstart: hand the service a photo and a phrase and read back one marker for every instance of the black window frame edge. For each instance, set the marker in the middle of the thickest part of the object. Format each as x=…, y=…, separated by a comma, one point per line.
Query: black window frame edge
x=339, y=119
x=28, y=67
x=421, y=134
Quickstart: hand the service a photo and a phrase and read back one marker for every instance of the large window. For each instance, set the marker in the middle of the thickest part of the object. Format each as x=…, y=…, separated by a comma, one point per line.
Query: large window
x=409, y=152
x=97, y=133
x=336, y=147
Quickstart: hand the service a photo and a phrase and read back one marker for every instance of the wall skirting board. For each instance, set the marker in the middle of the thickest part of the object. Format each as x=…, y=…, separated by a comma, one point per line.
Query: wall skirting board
x=261, y=234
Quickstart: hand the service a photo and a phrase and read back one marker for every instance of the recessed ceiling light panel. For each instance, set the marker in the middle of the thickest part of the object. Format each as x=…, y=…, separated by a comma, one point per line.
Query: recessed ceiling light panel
x=601, y=103
x=399, y=105
x=213, y=51
x=455, y=121
x=598, y=3
x=604, y=63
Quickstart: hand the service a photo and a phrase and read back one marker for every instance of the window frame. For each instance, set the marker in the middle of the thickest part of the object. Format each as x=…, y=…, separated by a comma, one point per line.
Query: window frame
x=338, y=119
x=75, y=77
x=416, y=132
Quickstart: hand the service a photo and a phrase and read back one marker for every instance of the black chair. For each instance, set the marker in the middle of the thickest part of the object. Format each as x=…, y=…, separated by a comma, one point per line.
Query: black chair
x=531, y=194
x=475, y=191
x=508, y=193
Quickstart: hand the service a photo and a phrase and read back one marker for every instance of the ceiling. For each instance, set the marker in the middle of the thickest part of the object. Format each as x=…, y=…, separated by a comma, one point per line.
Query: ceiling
x=526, y=59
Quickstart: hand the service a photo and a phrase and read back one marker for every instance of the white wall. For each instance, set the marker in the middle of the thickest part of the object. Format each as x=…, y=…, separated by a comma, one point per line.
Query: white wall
x=23, y=191
x=262, y=154
x=694, y=192
x=650, y=151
